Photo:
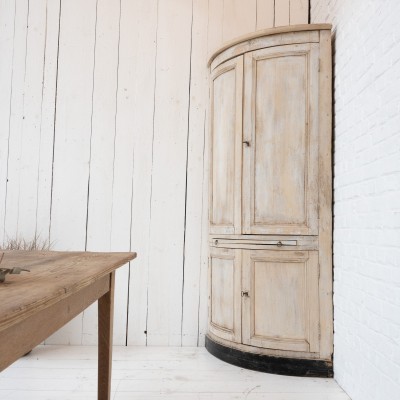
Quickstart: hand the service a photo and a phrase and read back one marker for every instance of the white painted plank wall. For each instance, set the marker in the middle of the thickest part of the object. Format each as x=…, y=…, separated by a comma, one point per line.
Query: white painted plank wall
x=138, y=59
x=282, y=13
x=195, y=256
x=121, y=190
x=239, y=18
x=265, y=13
x=167, y=219
x=101, y=166
x=7, y=29
x=17, y=110
x=31, y=120
x=73, y=120
x=112, y=153
x=229, y=19
x=73, y=124
x=47, y=119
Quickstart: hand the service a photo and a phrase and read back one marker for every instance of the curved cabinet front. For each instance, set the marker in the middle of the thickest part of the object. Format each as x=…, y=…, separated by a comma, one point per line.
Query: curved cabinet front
x=226, y=144
x=270, y=264
x=224, y=310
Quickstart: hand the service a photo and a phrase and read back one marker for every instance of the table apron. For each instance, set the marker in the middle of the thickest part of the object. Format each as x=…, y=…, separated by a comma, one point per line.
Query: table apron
x=24, y=335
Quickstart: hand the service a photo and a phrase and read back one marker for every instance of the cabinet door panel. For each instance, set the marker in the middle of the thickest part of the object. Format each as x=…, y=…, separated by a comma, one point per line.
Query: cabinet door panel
x=282, y=309
x=225, y=147
x=280, y=117
x=225, y=300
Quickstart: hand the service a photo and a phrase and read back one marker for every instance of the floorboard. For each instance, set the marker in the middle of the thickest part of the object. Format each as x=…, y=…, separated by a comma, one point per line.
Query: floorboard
x=179, y=373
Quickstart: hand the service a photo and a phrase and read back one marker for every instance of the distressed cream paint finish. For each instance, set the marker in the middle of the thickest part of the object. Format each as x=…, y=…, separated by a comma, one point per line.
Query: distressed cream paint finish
x=282, y=254
x=225, y=297
x=225, y=152
x=283, y=311
x=284, y=144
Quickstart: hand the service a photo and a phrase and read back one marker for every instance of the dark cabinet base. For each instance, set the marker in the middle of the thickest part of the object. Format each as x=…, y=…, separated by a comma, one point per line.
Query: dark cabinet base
x=272, y=365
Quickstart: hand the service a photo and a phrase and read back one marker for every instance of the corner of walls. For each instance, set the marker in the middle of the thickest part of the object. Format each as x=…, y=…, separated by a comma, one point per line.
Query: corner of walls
x=366, y=195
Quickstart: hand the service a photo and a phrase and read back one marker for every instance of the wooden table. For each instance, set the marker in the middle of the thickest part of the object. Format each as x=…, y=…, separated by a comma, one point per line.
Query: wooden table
x=61, y=285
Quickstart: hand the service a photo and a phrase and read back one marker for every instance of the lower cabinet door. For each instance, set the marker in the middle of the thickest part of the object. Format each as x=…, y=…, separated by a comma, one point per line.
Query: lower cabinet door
x=280, y=300
x=224, y=293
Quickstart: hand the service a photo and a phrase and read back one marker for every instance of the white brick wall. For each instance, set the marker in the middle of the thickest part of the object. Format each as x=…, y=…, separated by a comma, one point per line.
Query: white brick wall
x=366, y=194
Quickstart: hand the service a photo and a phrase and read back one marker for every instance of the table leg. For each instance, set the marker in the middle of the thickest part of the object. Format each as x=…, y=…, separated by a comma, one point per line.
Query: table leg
x=105, y=333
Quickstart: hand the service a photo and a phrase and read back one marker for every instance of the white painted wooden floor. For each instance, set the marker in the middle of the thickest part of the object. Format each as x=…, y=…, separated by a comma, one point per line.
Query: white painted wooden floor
x=182, y=373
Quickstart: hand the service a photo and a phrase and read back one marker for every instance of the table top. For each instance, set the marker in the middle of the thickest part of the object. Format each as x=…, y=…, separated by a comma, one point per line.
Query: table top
x=53, y=276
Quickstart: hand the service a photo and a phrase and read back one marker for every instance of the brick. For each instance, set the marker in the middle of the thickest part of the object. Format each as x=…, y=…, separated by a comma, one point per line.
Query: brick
x=366, y=194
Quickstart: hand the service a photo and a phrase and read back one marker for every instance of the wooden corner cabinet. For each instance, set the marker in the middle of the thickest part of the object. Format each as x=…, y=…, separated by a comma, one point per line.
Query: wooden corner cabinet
x=270, y=204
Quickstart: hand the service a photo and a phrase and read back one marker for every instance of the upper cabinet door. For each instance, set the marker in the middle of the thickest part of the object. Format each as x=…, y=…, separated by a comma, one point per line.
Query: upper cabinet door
x=226, y=147
x=280, y=141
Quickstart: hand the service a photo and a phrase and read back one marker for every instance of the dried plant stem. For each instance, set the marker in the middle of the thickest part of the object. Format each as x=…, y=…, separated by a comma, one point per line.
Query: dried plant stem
x=19, y=243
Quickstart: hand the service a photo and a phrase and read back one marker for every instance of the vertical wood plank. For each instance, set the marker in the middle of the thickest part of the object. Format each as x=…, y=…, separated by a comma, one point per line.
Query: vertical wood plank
x=214, y=40
x=7, y=19
x=298, y=12
x=73, y=124
x=240, y=17
x=105, y=81
x=194, y=187
x=169, y=173
x=282, y=9
x=138, y=58
x=30, y=141
x=15, y=130
x=47, y=119
x=215, y=24
x=72, y=137
x=123, y=150
x=265, y=14
x=123, y=161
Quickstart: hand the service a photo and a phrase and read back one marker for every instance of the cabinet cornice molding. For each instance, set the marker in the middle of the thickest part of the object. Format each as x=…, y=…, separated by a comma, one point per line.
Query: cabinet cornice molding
x=268, y=32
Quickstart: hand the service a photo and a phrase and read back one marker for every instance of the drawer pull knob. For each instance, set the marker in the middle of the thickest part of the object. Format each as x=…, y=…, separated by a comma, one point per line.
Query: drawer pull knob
x=216, y=241
x=279, y=244
x=245, y=294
